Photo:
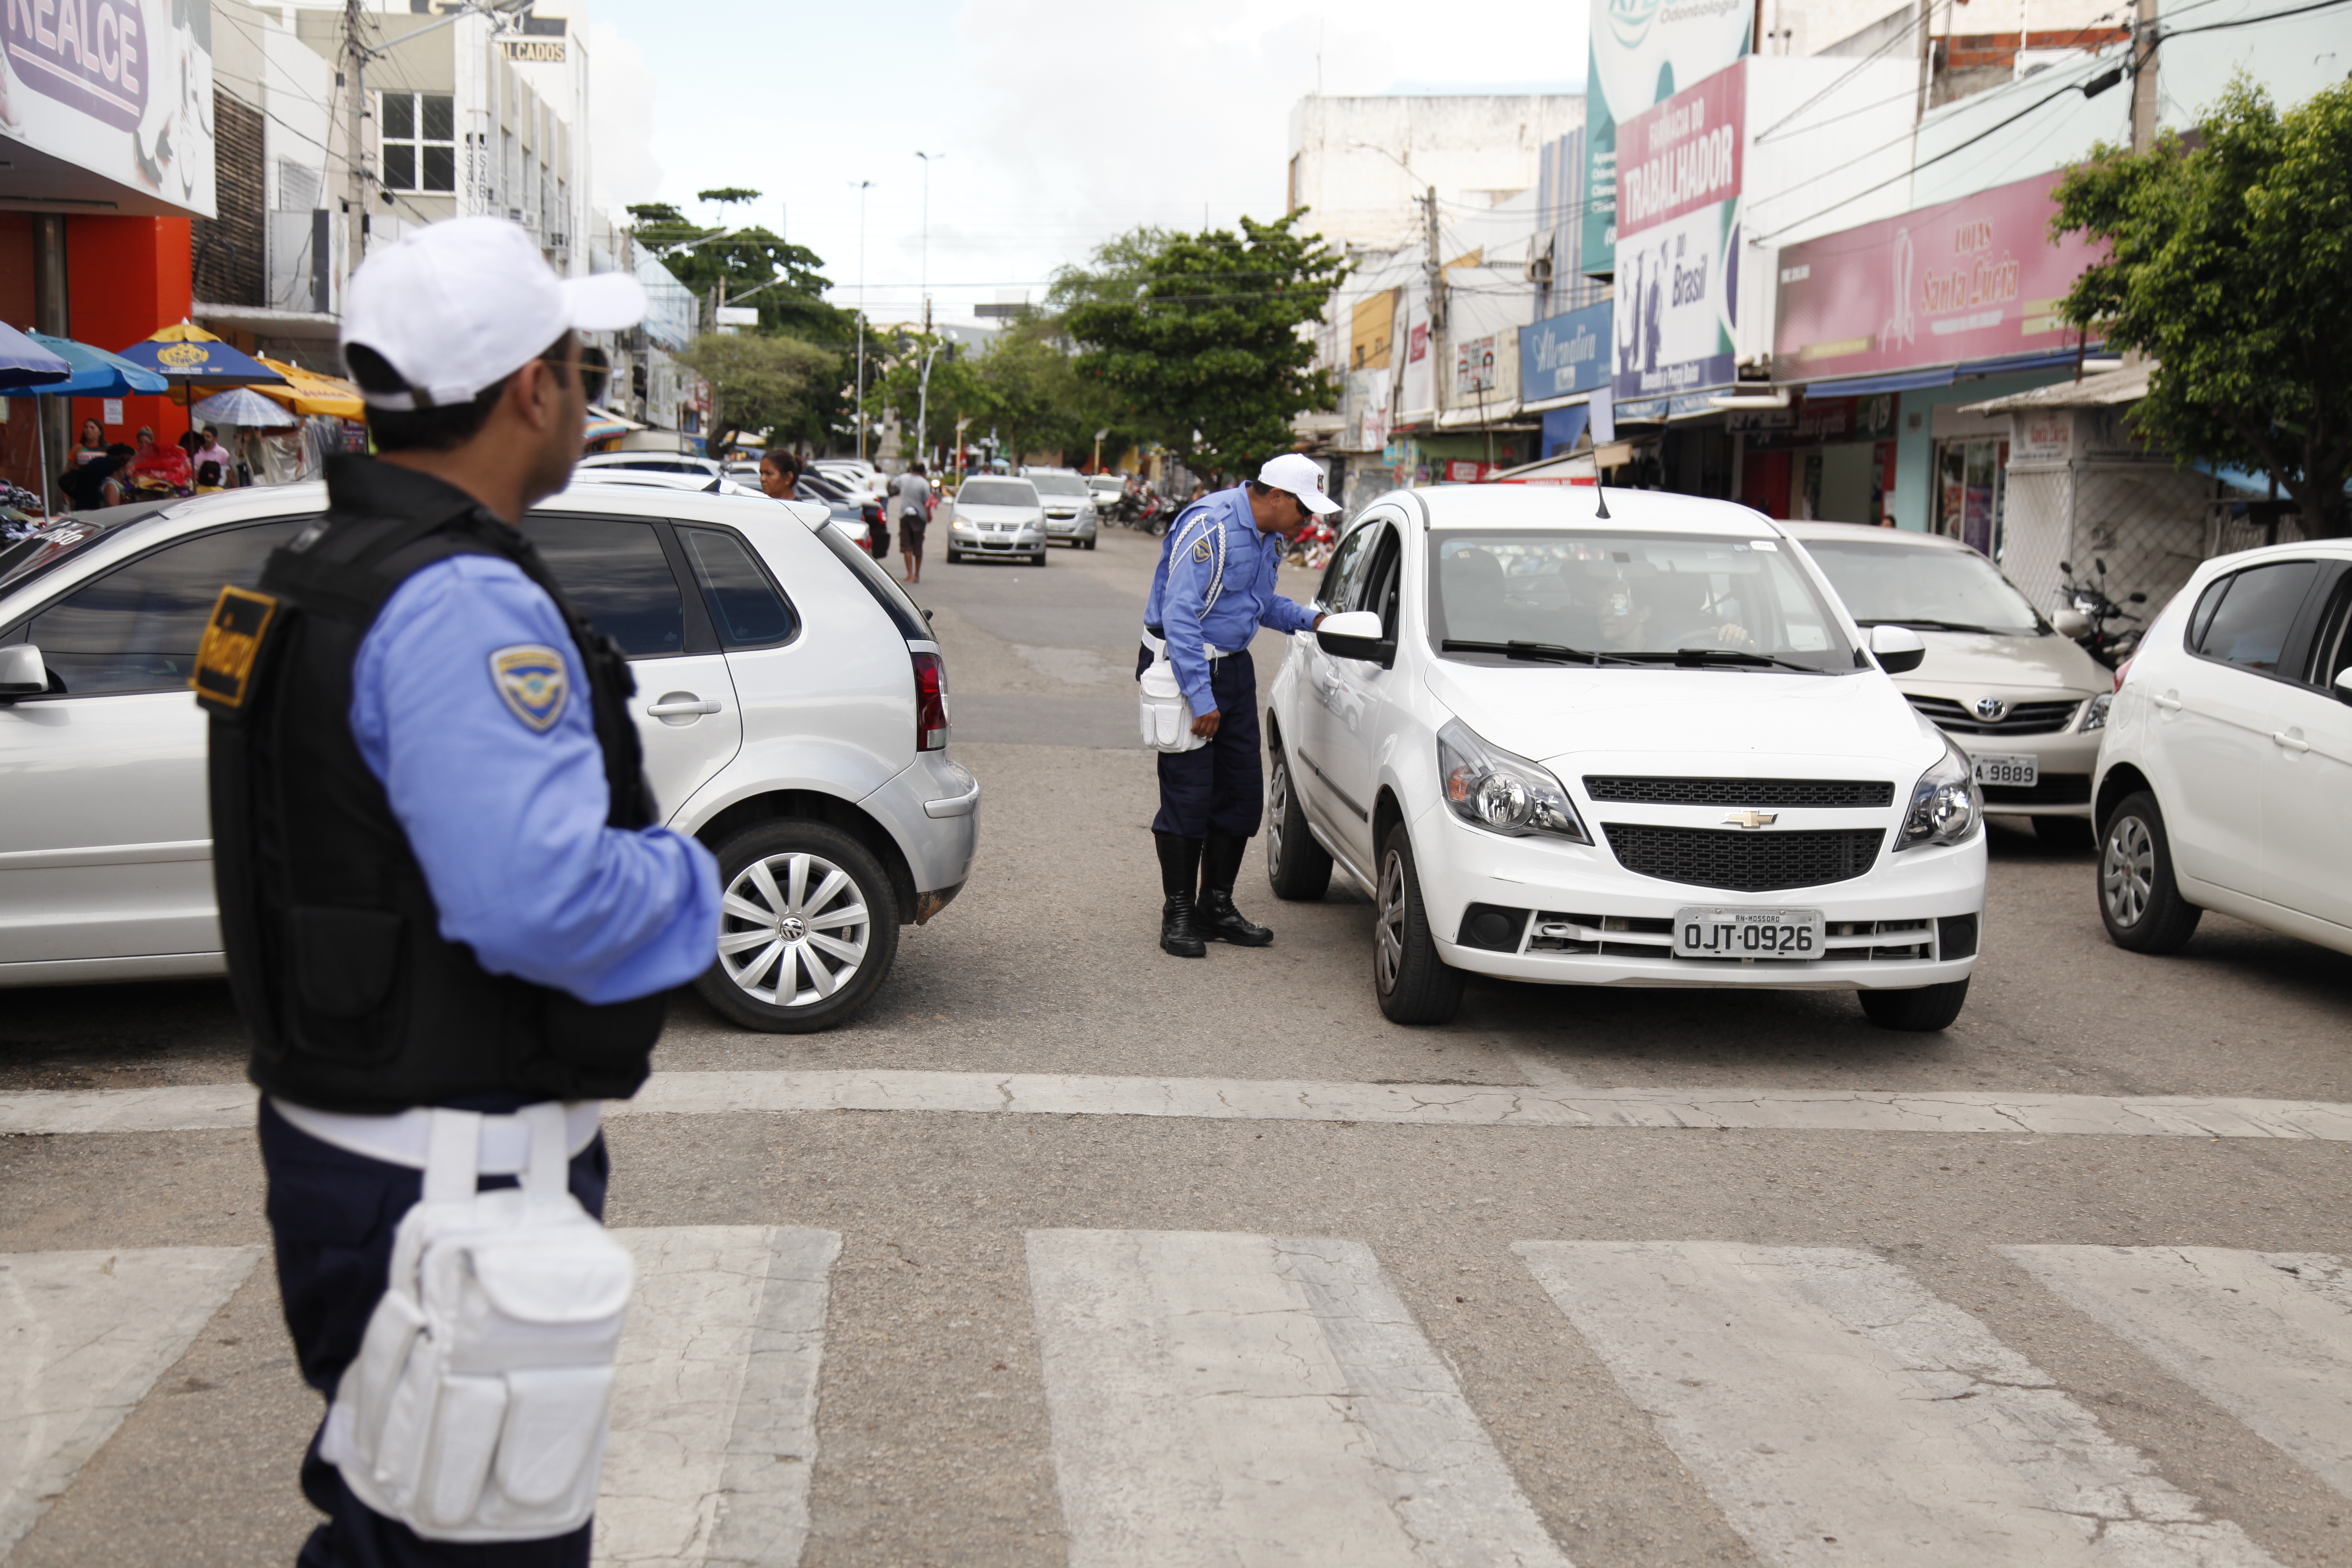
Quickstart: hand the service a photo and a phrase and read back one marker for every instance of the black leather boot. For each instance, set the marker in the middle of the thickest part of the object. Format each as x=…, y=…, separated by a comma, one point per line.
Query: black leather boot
x=1217, y=920
x=1180, y=868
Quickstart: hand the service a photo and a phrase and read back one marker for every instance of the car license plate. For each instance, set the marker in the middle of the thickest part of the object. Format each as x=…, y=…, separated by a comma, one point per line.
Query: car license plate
x=2023, y=773
x=1747, y=933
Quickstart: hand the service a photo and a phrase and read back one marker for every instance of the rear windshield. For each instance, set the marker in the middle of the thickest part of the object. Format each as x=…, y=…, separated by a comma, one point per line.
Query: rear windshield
x=1058, y=484
x=26, y=559
x=996, y=492
x=902, y=611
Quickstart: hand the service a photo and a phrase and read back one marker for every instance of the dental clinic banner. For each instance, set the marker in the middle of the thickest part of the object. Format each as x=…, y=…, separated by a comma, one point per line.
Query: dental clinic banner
x=1563, y=355
x=1975, y=279
x=122, y=89
x=1678, y=240
x=1643, y=52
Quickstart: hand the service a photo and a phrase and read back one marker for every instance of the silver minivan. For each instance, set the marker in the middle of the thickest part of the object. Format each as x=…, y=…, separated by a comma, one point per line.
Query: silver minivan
x=792, y=702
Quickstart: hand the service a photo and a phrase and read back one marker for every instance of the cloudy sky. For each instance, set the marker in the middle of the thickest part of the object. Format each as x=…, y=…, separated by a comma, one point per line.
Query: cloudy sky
x=1060, y=123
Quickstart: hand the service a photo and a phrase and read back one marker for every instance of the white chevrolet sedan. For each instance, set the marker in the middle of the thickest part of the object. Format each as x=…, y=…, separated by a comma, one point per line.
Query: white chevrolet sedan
x=1638, y=747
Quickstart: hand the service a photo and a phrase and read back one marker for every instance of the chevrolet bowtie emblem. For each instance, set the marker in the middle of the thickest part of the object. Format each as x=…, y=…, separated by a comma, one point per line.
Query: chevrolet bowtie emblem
x=1751, y=819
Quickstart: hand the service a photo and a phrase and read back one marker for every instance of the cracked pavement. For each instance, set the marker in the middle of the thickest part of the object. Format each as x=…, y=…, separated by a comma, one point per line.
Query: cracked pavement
x=1035, y=1067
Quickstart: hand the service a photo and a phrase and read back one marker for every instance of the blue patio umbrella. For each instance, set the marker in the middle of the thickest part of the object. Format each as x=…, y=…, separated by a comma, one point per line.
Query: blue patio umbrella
x=25, y=363
x=192, y=356
x=96, y=372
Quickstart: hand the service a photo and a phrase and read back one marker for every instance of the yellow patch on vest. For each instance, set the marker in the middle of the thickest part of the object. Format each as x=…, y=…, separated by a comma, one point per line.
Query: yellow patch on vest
x=231, y=645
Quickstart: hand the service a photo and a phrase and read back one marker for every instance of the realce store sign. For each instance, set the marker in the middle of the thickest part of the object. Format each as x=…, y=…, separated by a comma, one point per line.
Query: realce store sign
x=119, y=88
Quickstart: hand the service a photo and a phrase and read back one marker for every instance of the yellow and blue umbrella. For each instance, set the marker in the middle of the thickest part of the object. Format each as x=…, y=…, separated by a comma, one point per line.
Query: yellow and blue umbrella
x=192, y=356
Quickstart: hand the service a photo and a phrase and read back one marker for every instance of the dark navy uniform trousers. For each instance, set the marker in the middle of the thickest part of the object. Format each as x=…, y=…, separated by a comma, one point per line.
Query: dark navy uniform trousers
x=332, y=1214
x=1219, y=785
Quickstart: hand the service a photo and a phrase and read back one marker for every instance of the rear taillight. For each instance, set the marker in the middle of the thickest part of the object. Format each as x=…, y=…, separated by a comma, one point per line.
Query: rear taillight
x=930, y=703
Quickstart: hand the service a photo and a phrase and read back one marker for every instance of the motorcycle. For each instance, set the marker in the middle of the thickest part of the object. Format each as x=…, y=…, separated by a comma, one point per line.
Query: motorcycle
x=1312, y=549
x=2089, y=610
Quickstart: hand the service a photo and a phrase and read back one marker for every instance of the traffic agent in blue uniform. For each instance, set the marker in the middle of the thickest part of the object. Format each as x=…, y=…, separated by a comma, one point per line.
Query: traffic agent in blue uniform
x=1212, y=590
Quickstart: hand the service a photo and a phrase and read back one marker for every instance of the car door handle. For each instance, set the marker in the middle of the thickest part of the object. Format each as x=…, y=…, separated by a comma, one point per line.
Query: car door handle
x=679, y=705
x=2290, y=742
x=2169, y=704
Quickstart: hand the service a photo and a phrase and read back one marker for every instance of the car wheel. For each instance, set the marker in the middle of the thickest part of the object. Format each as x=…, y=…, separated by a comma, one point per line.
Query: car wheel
x=1091, y=545
x=1299, y=867
x=807, y=931
x=954, y=557
x=1924, y=1008
x=2072, y=835
x=2139, y=899
x=1038, y=559
x=1413, y=984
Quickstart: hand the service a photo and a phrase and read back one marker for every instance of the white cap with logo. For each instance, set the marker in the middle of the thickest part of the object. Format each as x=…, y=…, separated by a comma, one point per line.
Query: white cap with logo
x=1302, y=475
x=456, y=307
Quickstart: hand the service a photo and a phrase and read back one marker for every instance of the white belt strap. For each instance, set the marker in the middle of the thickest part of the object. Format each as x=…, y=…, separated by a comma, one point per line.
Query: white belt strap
x=503, y=1145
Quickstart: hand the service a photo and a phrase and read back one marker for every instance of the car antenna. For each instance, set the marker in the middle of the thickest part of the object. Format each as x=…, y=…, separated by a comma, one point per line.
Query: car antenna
x=1600, y=493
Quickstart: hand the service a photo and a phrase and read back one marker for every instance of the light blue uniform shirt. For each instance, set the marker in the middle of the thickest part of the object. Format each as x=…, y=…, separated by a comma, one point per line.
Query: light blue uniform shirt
x=506, y=817
x=1181, y=584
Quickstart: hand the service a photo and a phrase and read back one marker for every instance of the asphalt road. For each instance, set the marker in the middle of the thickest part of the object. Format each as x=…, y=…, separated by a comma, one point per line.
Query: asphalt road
x=1371, y=1338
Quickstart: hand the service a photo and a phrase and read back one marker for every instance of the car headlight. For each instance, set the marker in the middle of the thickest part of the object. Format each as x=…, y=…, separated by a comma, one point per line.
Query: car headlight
x=1943, y=804
x=1488, y=787
x=2095, y=711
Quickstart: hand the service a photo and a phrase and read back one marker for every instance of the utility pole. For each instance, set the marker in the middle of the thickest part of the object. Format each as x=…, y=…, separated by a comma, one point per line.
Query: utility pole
x=1437, y=377
x=929, y=159
x=1926, y=65
x=863, y=186
x=923, y=405
x=357, y=163
x=2144, y=42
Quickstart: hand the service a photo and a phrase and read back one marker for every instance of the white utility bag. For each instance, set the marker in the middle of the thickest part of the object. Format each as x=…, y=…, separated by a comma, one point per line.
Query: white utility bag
x=1167, y=717
x=479, y=1406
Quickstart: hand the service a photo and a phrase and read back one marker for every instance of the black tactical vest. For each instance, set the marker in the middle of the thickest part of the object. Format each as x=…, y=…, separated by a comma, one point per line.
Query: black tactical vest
x=354, y=999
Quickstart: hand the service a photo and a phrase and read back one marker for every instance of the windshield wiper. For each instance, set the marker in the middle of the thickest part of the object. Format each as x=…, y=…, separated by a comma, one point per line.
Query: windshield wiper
x=1916, y=624
x=1706, y=658
x=1548, y=652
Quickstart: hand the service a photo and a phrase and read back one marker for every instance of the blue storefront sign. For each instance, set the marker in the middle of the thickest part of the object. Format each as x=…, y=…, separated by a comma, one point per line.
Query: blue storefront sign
x=1564, y=355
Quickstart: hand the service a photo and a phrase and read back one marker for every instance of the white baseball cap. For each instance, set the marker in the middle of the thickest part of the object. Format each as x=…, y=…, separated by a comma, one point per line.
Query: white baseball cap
x=1302, y=475
x=458, y=305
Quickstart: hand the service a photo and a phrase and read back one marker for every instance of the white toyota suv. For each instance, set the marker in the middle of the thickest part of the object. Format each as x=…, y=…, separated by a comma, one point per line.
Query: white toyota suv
x=2225, y=780
x=791, y=703
x=1643, y=746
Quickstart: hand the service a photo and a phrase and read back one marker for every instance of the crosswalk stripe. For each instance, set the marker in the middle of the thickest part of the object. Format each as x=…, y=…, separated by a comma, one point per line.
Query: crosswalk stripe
x=1837, y=1413
x=2265, y=1336
x=1238, y=1400
x=83, y=1337
x=714, y=1398
x=195, y=1108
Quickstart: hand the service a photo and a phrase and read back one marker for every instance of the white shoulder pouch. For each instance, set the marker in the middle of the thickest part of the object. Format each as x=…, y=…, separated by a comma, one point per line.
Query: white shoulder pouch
x=1167, y=717
x=477, y=1408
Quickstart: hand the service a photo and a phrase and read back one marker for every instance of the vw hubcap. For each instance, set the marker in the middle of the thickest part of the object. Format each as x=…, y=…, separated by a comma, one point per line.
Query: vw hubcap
x=793, y=929
x=2127, y=870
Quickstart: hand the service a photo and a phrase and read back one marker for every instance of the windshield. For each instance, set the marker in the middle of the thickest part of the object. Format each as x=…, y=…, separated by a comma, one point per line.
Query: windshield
x=1058, y=484
x=27, y=558
x=1940, y=589
x=1638, y=597
x=996, y=492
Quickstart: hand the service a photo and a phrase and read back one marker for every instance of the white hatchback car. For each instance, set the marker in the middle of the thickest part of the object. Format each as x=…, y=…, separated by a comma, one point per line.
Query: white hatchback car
x=2025, y=702
x=791, y=702
x=2225, y=782
x=1638, y=747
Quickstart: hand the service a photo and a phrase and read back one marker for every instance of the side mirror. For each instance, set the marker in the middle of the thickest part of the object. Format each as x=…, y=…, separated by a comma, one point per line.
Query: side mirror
x=21, y=673
x=2067, y=567
x=1356, y=635
x=1898, y=650
x=2071, y=622
x=2135, y=598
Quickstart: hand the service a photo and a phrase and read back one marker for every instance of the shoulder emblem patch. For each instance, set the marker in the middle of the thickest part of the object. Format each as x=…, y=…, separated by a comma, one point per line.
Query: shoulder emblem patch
x=1201, y=550
x=533, y=682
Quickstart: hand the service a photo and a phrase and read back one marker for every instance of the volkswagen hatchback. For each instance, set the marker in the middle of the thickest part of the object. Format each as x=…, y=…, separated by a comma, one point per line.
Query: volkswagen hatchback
x=1643, y=746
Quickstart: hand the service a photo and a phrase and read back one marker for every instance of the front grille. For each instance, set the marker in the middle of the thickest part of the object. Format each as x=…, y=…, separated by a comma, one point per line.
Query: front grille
x=2052, y=789
x=2022, y=719
x=1744, y=862
x=1740, y=792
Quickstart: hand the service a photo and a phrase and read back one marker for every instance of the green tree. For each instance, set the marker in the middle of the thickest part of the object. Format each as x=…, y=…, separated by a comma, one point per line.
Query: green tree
x=766, y=382
x=956, y=391
x=1199, y=336
x=783, y=281
x=2230, y=264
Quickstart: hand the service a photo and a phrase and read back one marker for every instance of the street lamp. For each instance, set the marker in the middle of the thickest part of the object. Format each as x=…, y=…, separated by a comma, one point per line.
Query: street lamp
x=929, y=159
x=863, y=186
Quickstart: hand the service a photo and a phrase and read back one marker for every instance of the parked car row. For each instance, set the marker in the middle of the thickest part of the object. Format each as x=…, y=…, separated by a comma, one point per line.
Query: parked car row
x=791, y=703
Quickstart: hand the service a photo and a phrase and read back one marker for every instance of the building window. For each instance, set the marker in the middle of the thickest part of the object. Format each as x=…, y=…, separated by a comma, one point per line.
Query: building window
x=420, y=141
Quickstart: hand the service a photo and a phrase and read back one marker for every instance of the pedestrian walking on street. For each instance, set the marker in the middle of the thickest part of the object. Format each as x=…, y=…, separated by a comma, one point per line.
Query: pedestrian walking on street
x=780, y=472
x=1213, y=589
x=910, y=495
x=450, y=920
